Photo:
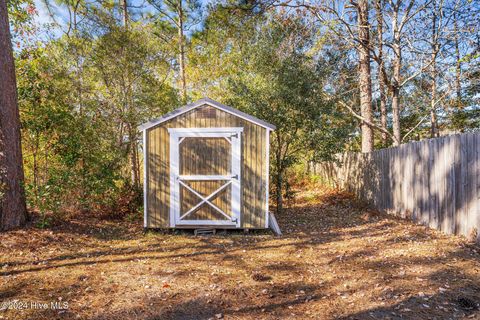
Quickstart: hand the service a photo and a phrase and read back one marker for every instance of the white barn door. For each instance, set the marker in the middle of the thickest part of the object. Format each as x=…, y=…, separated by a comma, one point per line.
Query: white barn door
x=205, y=176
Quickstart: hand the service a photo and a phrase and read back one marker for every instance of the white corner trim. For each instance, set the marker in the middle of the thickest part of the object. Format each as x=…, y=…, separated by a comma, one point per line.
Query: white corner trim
x=145, y=182
x=174, y=172
x=267, y=172
x=236, y=163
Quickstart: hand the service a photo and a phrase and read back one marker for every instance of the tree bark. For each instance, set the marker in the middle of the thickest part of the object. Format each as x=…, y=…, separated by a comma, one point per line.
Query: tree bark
x=395, y=87
x=13, y=212
x=181, y=48
x=433, y=94
x=125, y=14
x=279, y=176
x=433, y=109
x=381, y=75
x=134, y=164
x=458, y=66
x=397, y=137
x=132, y=154
x=365, y=82
x=35, y=151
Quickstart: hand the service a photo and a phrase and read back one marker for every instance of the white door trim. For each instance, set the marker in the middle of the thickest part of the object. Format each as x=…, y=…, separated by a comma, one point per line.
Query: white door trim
x=192, y=132
x=233, y=135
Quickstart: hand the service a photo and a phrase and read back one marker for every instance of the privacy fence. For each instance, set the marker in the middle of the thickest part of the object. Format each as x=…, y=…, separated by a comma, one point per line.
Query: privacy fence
x=435, y=182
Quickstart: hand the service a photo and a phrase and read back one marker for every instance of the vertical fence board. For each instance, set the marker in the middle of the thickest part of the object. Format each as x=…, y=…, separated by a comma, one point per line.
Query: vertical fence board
x=435, y=182
x=477, y=184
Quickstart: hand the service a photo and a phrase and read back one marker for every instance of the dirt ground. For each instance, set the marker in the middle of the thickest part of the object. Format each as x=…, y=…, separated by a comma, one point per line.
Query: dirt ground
x=336, y=260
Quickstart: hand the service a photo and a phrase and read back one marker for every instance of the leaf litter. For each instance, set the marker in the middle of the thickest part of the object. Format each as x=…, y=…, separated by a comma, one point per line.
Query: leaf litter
x=338, y=259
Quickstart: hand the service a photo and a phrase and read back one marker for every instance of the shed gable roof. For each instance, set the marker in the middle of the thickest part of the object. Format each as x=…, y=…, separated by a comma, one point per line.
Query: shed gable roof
x=199, y=103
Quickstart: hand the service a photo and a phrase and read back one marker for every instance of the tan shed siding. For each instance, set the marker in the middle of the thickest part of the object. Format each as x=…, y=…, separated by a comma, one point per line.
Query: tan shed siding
x=157, y=177
x=253, y=165
x=150, y=169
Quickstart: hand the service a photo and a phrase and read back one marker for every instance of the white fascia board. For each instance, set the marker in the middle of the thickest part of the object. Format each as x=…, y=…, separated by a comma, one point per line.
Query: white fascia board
x=212, y=103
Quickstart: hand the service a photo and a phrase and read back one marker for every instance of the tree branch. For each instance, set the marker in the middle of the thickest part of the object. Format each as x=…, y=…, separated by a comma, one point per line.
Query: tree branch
x=415, y=127
x=368, y=123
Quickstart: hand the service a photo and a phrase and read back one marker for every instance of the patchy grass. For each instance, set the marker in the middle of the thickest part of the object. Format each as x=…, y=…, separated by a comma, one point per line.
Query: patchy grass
x=337, y=260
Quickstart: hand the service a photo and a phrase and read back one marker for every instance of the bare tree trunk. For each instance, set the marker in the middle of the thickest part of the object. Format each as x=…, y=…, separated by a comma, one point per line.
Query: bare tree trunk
x=397, y=137
x=128, y=97
x=36, y=147
x=181, y=47
x=395, y=90
x=365, y=81
x=125, y=14
x=134, y=165
x=381, y=75
x=137, y=158
x=433, y=94
x=458, y=66
x=433, y=111
x=279, y=176
x=45, y=176
x=13, y=212
x=132, y=152
x=279, y=182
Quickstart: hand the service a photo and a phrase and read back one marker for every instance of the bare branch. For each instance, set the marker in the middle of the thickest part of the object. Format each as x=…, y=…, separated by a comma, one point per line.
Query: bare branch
x=359, y=117
x=416, y=74
x=415, y=127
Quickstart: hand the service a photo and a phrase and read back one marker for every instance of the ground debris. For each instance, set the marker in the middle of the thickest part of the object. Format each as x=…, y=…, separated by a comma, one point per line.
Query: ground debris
x=337, y=259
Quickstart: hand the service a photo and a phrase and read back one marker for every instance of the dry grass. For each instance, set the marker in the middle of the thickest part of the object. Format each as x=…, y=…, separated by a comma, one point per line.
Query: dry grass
x=335, y=261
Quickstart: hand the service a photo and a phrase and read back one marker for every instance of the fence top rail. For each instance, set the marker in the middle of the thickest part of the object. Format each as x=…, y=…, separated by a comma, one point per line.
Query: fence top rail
x=426, y=141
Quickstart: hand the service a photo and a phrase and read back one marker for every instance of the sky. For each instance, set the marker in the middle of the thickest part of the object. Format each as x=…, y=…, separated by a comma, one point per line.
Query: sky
x=43, y=17
x=61, y=17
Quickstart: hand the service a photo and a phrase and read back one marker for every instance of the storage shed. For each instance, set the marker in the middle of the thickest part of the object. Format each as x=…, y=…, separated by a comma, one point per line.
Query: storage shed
x=206, y=165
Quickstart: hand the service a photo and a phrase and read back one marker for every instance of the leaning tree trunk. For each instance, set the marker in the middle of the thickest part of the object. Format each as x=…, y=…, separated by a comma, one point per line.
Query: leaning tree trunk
x=365, y=82
x=13, y=211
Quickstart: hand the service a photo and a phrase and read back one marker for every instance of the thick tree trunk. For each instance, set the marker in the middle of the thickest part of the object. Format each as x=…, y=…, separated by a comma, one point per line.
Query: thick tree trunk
x=365, y=81
x=13, y=210
x=181, y=47
x=397, y=137
x=397, y=65
x=381, y=75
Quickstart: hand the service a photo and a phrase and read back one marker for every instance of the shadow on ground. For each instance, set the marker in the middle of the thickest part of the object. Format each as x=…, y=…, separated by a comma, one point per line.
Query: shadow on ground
x=336, y=260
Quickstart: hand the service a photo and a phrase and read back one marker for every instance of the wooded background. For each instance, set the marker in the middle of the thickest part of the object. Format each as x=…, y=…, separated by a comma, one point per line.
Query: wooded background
x=435, y=182
x=333, y=76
